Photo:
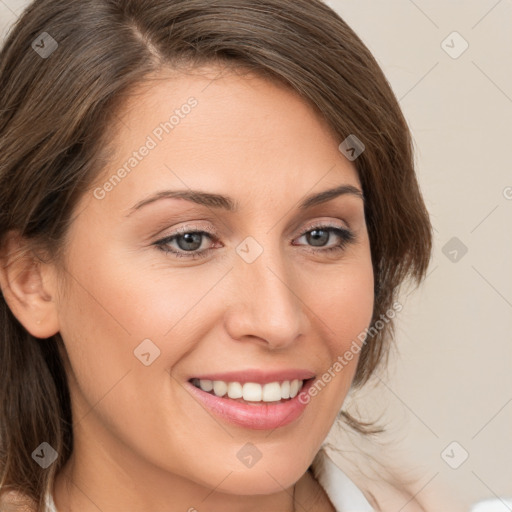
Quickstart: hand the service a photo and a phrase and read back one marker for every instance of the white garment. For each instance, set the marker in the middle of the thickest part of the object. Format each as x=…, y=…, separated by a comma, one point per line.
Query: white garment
x=492, y=505
x=342, y=492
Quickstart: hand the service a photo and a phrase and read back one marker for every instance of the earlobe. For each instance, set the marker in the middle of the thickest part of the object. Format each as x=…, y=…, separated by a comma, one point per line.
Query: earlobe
x=28, y=287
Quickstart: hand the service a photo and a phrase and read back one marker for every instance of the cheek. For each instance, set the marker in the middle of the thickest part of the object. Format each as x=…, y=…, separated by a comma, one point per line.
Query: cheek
x=97, y=343
x=344, y=300
x=113, y=306
x=102, y=318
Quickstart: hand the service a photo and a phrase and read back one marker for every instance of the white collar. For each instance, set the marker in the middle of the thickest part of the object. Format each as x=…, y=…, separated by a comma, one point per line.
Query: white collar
x=343, y=493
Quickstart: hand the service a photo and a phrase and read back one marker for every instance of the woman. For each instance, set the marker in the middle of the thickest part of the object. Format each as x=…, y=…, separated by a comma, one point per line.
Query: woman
x=208, y=208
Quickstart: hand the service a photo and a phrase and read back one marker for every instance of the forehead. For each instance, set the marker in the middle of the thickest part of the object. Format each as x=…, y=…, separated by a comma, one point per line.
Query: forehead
x=207, y=129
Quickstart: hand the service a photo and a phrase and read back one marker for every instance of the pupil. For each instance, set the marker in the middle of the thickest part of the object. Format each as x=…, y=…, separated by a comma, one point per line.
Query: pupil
x=315, y=237
x=190, y=238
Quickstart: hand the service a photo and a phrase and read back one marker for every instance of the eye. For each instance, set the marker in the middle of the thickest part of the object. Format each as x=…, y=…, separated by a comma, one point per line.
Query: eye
x=319, y=235
x=186, y=242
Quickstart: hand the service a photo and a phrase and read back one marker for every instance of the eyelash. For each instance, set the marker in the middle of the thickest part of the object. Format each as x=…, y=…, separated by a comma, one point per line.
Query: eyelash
x=346, y=236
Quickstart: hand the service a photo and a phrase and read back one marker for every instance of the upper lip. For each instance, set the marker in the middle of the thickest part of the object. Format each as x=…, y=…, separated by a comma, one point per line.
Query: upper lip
x=258, y=376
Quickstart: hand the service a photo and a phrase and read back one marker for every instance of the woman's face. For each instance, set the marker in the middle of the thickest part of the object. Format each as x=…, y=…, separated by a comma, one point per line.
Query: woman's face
x=263, y=291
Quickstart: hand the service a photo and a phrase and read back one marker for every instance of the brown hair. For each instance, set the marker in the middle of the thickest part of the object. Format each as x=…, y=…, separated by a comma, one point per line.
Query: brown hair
x=56, y=115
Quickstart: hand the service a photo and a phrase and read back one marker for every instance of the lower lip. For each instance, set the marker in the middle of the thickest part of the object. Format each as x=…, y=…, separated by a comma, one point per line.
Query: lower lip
x=261, y=416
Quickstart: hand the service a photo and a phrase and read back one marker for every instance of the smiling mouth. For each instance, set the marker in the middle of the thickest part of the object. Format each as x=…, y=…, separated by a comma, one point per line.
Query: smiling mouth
x=252, y=392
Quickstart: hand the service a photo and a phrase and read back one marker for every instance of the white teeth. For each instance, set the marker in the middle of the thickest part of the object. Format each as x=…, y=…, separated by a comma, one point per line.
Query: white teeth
x=294, y=387
x=271, y=392
x=252, y=391
x=235, y=390
x=285, y=389
x=206, y=385
x=220, y=388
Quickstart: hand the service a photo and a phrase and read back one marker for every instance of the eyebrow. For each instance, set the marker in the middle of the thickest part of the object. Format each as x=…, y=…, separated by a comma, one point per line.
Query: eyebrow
x=226, y=203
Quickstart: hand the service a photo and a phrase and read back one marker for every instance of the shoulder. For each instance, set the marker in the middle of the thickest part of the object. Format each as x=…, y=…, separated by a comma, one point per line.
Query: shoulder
x=352, y=489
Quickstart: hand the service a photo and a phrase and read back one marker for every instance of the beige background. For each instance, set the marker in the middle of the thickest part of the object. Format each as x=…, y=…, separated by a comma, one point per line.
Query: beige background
x=451, y=378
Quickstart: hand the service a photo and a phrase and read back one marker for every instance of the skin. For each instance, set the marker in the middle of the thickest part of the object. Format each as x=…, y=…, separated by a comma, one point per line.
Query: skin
x=142, y=442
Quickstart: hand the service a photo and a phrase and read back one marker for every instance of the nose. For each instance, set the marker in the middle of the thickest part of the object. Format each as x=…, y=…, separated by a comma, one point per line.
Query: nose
x=264, y=302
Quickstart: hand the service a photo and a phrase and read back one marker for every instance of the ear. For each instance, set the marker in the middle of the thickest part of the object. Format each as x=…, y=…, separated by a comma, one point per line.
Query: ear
x=29, y=287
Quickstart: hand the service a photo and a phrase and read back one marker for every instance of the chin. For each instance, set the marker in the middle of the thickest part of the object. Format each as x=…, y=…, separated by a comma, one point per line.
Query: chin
x=261, y=478
x=255, y=484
